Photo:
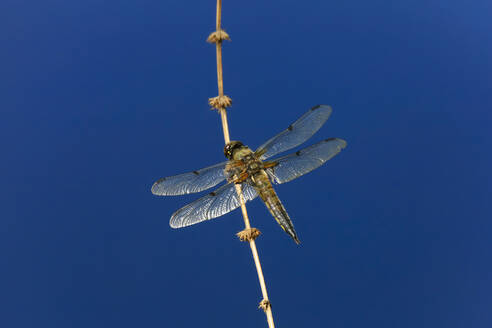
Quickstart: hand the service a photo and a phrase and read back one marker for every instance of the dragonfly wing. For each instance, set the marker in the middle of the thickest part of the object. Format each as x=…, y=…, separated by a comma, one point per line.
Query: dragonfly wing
x=303, y=161
x=190, y=182
x=216, y=203
x=297, y=133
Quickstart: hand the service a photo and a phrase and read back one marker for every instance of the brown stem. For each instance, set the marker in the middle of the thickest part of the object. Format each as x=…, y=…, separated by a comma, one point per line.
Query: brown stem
x=265, y=303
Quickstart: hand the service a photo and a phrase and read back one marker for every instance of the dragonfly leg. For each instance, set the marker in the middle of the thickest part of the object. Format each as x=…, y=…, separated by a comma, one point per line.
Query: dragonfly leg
x=268, y=165
x=241, y=177
x=234, y=163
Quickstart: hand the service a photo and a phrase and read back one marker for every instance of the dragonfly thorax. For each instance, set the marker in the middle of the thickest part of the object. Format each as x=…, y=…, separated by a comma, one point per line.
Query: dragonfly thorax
x=243, y=163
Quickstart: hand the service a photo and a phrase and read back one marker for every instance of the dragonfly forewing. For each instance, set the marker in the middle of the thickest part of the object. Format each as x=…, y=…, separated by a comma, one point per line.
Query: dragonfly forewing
x=190, y=182
x=297, y=133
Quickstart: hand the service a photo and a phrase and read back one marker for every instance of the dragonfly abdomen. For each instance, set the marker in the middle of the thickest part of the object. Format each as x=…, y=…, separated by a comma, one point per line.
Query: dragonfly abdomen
x=266, y=192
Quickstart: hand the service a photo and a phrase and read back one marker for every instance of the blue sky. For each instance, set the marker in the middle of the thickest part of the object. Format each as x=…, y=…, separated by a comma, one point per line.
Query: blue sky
x=98, y=99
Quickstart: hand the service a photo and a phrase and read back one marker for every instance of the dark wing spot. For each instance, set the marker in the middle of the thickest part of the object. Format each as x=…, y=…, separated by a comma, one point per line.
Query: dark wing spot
x=298, y=153
x=330, y=139
x=196, y=172
x=160, y=180
x=315, y=107
x=213, y=193
x=290, y=128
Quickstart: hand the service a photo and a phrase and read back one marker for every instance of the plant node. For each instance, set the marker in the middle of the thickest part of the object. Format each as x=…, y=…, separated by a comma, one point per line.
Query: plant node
x=218, y=36
x=265, y=305
x=220, y=102
x=248, y=234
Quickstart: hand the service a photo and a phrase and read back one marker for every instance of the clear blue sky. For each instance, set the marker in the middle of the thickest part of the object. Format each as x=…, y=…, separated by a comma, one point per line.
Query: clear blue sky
x=98, y=99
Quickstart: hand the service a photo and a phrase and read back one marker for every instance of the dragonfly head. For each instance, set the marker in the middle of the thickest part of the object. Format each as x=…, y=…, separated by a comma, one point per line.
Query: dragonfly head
x=231, y=148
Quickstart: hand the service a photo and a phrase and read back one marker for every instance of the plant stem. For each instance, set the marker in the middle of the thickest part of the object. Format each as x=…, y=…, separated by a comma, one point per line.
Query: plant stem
x=265, y=304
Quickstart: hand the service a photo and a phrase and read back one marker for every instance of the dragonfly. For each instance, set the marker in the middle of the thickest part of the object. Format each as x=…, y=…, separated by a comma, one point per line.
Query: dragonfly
x=254, y=171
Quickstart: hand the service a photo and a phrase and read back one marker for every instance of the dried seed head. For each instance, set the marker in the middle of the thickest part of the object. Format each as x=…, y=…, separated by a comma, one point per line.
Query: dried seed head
x=248, y=234
x=218, y=36
x=220, y=102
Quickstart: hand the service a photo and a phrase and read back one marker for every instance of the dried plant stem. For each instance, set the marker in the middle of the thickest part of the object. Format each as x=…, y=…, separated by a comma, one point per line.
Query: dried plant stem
x=220, y=103
x=225, y=126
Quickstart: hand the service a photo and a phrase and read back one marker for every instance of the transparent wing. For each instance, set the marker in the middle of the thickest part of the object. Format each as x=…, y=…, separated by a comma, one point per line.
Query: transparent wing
x=190, y=182
x=303, y=161
x=298, y=132
x=216, y=203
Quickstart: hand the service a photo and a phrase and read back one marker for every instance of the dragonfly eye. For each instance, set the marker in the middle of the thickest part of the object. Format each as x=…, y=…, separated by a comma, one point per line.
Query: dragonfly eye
x=231, y=147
